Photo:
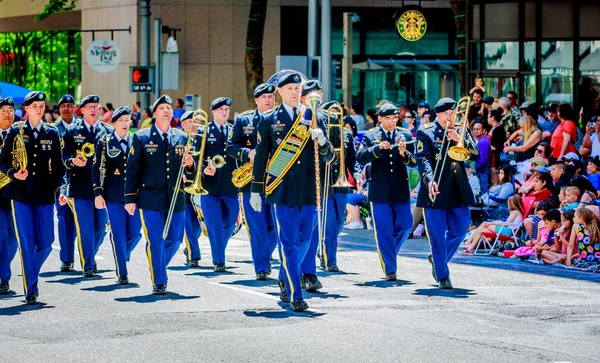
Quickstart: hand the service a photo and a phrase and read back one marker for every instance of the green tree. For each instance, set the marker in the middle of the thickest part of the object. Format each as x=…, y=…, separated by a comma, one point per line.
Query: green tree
x=55, y=6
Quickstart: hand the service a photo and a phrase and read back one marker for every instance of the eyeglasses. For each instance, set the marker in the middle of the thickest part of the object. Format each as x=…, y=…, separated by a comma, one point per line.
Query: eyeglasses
x=408, y=117
x=510, y=98
x=7, y=112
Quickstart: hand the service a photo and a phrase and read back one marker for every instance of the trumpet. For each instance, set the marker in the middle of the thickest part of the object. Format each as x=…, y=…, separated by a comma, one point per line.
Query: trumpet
x=216, y=162
x=87, y=150
x=403, y=142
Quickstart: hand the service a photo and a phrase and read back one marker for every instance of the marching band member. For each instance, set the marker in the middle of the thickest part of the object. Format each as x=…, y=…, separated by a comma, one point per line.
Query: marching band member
x=447, y=217
x=221, y=200
x=192, y=227
x=8, y=239
x=152, y=168
x=32, y=190
x=242, y=147
x=108, y=176
x=284, y=169
x=389, y=194
x=64, y=214
x=90, y=223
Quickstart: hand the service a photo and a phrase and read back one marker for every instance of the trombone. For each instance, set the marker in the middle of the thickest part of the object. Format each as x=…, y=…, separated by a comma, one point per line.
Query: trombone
x=313, y=101
x=457, y=152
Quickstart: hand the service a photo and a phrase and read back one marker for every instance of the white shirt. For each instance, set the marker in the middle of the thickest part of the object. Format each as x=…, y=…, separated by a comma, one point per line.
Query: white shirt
x=595, y=145
x=290, y=110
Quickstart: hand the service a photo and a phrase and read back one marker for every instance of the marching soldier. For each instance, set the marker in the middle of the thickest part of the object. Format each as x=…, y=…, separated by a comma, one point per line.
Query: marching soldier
x=284, y=169
x=8, y=239
x=385, y=147
x=66, y=221
x=192, y=229
x=153, y=164
x=108, y=175
x=221, y=200
x=90, y=223
x=33, y=187
x=242, y=147
x=447, y=215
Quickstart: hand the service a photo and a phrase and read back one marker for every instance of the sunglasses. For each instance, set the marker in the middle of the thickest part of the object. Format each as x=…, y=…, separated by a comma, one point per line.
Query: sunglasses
x=539, y=151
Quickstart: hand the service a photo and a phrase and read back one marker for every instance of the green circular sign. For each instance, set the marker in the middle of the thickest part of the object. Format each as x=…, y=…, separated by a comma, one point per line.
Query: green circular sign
x=411, y=25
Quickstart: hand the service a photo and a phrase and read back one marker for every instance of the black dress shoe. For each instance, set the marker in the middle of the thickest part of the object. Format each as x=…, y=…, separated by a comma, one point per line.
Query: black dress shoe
x=194, y=263
x=95, y=267
x=333, y=268
x=312, y=283
x=262, y=275
x=123, y=280
x=430, y=259
x=446, y=284
x=270, y=269
x=66, y=267
x=282, y=292
x=220, y=267
x=185, y=251
x=322, y=263
x=159, y=290
x=299, y=305
x=4, y=288
x=88, y=273
x=32, y=300
x=391, y=277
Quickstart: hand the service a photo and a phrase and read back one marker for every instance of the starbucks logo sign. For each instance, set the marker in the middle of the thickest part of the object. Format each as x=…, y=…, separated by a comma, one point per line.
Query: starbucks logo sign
x=411, y=25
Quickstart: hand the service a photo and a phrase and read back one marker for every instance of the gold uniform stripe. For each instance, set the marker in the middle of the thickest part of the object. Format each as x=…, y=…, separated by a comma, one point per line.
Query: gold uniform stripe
x=283, y=259
x=376, y=239
x=148, y=252
x=79, y=245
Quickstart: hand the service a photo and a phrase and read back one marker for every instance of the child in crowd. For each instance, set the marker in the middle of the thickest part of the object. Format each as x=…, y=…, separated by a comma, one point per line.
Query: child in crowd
x=545, y=237
x=585, y=239
x=542, y=187
x=531, y=223
x=571, y=198
x=558, y=252
x=516, y=209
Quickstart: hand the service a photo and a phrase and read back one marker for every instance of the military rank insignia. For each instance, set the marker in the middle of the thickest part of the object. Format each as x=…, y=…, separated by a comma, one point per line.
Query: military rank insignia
x=420, y=146
x=131, y=151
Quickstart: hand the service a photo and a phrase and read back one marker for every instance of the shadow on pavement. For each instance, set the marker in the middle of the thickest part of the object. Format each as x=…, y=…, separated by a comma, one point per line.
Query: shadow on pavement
x=22, y=308
x=58, y=273
x=385, y=284
x=341, y=273
x=323, y=295
x=185, y=268
x=287, y=313
x=213, y=274
x=10, y=294
x=78, y=279
x=454, y=293
x=252, y=283
x=113, y=287
x=143, y=299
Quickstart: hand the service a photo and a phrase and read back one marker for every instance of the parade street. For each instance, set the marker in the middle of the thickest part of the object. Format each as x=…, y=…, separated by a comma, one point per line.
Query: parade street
x=493, y=314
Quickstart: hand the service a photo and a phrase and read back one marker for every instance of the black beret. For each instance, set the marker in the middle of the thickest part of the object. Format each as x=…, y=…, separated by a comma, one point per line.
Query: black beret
x=444, y=105
x=327, y=105
x=221, y=101
x=125, y=110
x=8, y=101
x=187, y=115
x=262, y=89
x=161, y=100
x=387, y=109
x=289, y=78
x=34, y=96
x=310, y=86
x=66, y=99
x=89, y=99
x=423, y=105
x=488, y=100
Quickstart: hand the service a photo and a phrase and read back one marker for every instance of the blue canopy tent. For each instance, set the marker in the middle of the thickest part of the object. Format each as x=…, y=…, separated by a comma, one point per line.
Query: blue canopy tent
x=16, y=92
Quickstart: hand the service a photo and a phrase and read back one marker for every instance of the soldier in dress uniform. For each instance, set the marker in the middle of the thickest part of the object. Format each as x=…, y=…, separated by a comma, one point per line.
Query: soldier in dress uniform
x=221, y=200
x=32, y=190
x=64, y=214
x=8, y=238
x=446, y=216
x=90, y=223
x=154, y=161
x=389, y=193
x=242, y=147
x=108, y=175
x=284, y=169
x=193, y=229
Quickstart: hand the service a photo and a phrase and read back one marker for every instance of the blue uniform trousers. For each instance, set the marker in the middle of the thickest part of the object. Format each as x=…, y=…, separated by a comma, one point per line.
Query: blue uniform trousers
x=392, y=224
x=261, y=231
x=220, y=215
x=160, y=251
x=446, y=228
x=8, y=244
x=66, y=232
x=90, y=224
x=125, y=233
x=34, y=227
x=192, y=233
x=294, y=227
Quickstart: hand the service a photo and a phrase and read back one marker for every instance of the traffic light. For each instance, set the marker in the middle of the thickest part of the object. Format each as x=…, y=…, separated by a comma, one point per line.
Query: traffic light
x=141, y=79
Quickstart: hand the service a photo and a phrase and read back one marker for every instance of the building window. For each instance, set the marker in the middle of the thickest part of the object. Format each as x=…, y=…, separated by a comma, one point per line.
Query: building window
x=557, y=72
x=501, y=55
x=502, y=21
x=530, y=59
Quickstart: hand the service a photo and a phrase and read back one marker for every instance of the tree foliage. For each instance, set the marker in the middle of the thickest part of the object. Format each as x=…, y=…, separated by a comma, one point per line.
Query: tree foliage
x=54, y=7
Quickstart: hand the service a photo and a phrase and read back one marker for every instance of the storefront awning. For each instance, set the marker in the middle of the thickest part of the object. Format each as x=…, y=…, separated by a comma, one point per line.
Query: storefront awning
x=406, y=65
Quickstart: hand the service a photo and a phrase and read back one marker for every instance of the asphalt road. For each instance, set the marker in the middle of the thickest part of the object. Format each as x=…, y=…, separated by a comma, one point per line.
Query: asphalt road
x=499, y=311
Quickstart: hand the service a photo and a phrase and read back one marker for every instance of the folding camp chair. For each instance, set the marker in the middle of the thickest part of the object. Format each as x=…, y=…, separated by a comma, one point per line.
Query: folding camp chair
x=490, y=242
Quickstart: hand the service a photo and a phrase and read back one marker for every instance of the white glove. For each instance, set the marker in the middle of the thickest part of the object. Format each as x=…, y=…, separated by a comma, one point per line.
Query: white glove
x=318, y=135
x=256, y=201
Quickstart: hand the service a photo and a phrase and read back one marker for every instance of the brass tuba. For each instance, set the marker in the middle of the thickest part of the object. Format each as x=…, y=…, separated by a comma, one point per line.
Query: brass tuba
x=19, y=157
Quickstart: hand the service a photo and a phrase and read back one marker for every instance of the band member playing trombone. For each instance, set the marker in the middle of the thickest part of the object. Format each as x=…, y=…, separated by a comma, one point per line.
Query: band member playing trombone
x=8, y=238
x=221, y=200
x=445, y=193
x=155, y=159
x=285, y=169
x=389, y=150
x=31, y=158
x=64, y=214
x=242, y=147
x=108, y=175
x=79, y=144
